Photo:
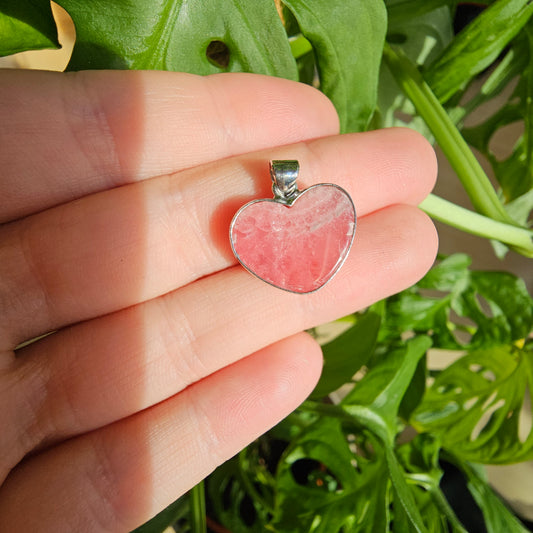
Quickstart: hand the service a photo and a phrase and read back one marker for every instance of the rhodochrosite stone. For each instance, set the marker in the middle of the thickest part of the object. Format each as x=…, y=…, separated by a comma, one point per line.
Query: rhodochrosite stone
x=300, y=247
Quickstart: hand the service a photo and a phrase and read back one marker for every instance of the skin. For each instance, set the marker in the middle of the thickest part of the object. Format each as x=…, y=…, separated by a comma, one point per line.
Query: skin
x=167, y=357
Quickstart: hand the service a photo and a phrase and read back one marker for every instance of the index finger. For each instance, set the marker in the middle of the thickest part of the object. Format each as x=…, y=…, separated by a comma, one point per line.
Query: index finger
x=64, y=136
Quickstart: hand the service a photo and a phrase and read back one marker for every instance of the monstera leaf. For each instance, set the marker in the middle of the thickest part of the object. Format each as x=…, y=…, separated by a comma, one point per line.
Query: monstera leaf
x=220, y=36
x=26, y=25
x=318, y=493
x=475, y=405
x=347, y=353
x=176, y=34
x=348, y=58
x=476, y=48
x=461, y=308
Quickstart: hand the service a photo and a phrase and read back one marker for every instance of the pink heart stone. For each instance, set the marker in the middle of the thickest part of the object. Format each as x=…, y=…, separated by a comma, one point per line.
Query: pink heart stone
x=299, y=247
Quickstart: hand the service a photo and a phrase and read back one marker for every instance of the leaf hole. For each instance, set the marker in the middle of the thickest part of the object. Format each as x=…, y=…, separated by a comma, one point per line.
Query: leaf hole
x=505, y=138
x=470, y=403
x=360, y=446
x=474, y=367
x=402, y=116
x=352, y=443
x=311, y=473
x=444, y=389
x=489, y=400
x=485, y=419
x=489, y=375
x=525, y=421
x=464, y=328
x=484, y=306
x=218, y=54
x=355, y=465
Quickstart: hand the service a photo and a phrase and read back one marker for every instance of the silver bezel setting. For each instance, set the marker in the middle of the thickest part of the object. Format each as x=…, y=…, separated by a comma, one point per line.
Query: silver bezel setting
x=284, y=174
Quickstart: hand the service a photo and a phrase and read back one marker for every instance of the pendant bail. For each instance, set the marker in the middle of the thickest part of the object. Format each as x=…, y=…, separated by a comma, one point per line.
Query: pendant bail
x=284, y=174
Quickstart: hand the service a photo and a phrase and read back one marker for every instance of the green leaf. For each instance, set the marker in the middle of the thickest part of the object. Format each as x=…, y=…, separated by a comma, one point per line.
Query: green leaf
x=422, y=38
x=26, y=25
x=347, y=37
x=408, y=510
x=450, y=274
x=176, y=34
x=415, y=392
x=497, y=517
x=515, y=172
x=404, y=11
x=468, y=169
x=474, y=405
x=528, y=117
x=346, y=354
x=318, y=493
x=521, y=206
x=494, y=307
x=512, y=65
x=507, y=315
x=420, y=460
x=382, y=389
x=232, y=503
x=477, y=46
x=373, y=404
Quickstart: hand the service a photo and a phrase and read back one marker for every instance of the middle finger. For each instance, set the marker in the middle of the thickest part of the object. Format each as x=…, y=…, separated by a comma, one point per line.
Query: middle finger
x=143, y=240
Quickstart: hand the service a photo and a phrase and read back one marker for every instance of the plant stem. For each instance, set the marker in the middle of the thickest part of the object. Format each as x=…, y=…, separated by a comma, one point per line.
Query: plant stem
x=445, y=508
x=466, y=220
x=254, y=494
x=198, y=517
x=528, y=116
x=472, y=176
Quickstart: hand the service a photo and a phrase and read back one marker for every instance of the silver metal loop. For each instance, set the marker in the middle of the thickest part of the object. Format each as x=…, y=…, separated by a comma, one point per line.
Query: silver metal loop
x=284, y=174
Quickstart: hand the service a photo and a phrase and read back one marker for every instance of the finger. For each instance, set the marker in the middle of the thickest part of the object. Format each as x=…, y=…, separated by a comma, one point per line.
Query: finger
x=101, y=371
x=90, y=131
x=117, y=477
x=113, y=250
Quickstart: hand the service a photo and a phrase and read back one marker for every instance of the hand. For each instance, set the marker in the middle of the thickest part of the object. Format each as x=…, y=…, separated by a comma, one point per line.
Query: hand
x=167, y=357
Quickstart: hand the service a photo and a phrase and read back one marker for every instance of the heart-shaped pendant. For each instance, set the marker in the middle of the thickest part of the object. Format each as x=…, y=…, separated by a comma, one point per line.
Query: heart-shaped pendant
x=298, y=240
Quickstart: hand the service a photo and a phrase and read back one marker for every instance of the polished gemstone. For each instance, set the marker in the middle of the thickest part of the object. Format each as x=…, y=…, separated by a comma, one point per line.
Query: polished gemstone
x=299, y=247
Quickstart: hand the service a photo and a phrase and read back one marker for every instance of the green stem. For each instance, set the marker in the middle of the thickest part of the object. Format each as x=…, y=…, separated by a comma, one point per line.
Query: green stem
x=248, y=485
x=455, y=148
x=464, y=219
x=198, y=516
x=528, y=116
x=445, y=508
